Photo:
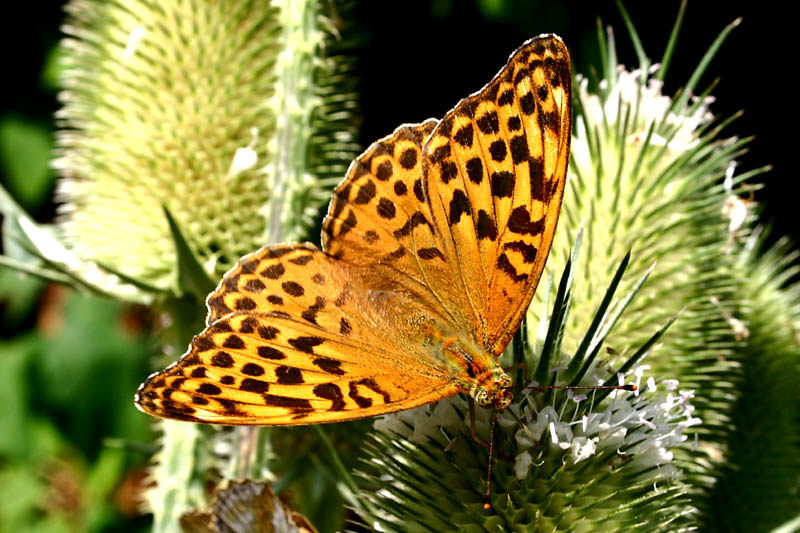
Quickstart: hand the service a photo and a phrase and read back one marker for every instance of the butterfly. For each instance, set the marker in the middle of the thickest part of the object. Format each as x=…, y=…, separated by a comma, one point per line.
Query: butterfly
x=432, y=248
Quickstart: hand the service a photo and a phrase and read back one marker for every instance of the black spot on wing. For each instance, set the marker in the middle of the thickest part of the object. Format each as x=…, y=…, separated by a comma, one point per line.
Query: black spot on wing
x=310, y=314
x=372, y=385
x=267, y=332
x=527, y=103
x=505, y=266
x=498, y=150
x=349, y=223
x=502, y=184
x=384, y=171
x=203, y=344
x=222, y=360
x=408, y=158
x=268, y=352
x=486, y=227
x=528, y=251
x=234, y=342
x=332, y=392
x=252, y=369
x=287, y=402
x=449, y=171
x=254, y=385
x=394, y=255
x=292, y=288
x=507, y=97
x=386, y=209
x=365, y=193
x=489, y=123
x=254, y=285
x=519, y=149
x=288, y=375
x=441, y=153
x=430, y=253
x=520, y=222
x=475, y=170
x=362, y=401
x=464, y=136
x=331, y=366
x=306, y=344
x=208, y=388
x=459, y=205
x=274, y=271
x=245, y=304
x=302, y=259
x=248, y=325
x=543, y=92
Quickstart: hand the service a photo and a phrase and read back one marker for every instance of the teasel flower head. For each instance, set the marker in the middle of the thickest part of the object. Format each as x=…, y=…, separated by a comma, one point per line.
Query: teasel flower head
x=216, y=115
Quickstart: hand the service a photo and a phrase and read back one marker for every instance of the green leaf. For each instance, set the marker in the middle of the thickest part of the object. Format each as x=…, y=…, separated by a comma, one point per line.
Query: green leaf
x=192, y=277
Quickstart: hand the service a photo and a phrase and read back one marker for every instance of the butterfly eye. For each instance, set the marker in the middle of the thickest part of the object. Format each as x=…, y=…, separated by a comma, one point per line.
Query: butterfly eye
x=504, y=399
x=482, y=398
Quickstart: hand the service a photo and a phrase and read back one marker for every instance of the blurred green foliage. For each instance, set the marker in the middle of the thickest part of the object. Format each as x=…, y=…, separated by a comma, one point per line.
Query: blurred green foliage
x=24, y=155
x=68, y=364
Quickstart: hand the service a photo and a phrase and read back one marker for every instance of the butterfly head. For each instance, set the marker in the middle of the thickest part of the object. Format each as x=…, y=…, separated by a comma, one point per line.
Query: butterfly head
x=495, y=391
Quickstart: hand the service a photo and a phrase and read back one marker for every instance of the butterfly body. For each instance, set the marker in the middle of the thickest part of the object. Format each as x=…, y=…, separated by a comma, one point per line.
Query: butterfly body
x=475, y=371
x=432, y=248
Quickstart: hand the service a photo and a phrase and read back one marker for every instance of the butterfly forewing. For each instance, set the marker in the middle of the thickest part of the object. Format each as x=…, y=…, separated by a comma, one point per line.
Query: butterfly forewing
x=495, y=168
x=438, y=234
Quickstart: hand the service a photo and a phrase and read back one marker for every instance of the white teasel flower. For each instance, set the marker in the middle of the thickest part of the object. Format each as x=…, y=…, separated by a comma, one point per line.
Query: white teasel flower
x=178, y=106
x=632, y=90
x=647, y=423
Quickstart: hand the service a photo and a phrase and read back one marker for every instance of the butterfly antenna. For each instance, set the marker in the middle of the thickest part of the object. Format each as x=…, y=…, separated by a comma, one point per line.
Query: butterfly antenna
x=487, y=499
x=629, y=387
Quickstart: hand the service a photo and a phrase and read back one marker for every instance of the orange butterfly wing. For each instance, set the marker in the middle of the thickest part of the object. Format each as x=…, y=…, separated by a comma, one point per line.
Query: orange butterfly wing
x=448, y=222
x=296, y=339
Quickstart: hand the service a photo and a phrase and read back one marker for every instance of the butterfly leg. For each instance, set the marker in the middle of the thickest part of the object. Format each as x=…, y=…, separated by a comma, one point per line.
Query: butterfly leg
x=474, y=430
x=472, y=427
x=518, y=366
